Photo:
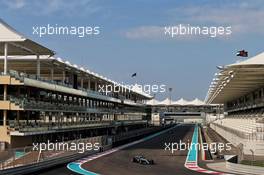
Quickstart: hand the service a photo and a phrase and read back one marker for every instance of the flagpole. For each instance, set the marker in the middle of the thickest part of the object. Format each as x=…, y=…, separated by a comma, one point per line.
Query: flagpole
x=170, y=89
x=134, y=75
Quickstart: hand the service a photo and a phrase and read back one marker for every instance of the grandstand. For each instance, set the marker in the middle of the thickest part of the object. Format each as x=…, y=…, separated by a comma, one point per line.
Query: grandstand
x=182, y=110
x=46, y=98
x=240, y=87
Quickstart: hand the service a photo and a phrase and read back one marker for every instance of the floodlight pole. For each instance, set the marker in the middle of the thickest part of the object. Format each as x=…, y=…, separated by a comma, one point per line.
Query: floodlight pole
x=170, y=89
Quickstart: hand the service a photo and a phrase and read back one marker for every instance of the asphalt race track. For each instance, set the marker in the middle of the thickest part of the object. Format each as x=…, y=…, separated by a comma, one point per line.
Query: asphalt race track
x=166, y=163
x=120, y=162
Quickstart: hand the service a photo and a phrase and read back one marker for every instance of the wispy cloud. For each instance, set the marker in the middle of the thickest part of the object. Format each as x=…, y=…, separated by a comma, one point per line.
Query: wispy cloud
x=149, y=32
x=154, y=32
x=244, y=17
x=51, y=7
x=14, y=4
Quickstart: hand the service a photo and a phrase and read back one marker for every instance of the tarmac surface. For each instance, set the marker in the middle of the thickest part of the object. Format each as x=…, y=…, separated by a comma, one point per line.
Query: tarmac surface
x=166, y=163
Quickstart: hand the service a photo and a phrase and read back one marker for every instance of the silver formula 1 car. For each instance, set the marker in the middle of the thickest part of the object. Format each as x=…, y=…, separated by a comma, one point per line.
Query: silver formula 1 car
x=142, y=160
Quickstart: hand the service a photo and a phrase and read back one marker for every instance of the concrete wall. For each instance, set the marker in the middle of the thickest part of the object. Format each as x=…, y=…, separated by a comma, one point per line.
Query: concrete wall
x=4, y=136
x=244, y=168
x=21, y=141
x=193, y=120
x=155, y=119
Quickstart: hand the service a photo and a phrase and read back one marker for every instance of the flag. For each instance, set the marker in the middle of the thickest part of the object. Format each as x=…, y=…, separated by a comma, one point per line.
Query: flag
x=242, y=53
x=134, y=75
x=220, y=67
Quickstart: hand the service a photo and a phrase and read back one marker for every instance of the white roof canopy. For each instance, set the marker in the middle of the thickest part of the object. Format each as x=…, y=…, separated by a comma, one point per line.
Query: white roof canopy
x=167, y=101
x=256, y=60
x=236, y=80
x=197, y=102
x=180, y=102
x=152, y=102
x=18, y=44
x=22, y=48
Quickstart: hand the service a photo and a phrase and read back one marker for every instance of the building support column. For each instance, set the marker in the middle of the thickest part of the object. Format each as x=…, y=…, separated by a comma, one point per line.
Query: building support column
x=5, y=61
x=63, y=76
x=52, y=74
x=89, y=84
x=5, y=111
x=4, y=117
x=5, y=92
x=82, y=82
x=38, y=67
x=95, y=85
x=18, y=116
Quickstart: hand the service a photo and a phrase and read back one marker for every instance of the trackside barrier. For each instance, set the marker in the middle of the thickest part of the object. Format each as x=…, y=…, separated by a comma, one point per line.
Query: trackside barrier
x=46, y=164
x=201, y=141
x=206, y=154
x=25, y=156
x=50, y=162
x=239, y=168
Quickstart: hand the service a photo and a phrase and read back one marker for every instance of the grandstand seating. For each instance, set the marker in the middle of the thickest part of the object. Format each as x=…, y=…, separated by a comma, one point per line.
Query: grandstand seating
x=244, y=128
x=246, y=125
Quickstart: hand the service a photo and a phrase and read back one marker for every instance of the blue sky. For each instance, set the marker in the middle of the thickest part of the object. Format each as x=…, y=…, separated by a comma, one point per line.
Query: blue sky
x=129, y=42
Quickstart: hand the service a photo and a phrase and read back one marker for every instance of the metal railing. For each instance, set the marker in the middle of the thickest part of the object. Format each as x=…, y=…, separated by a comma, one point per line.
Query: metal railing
x=246, y=105
x=41, y=126
x=241, y=134
x=21, y=76
x=30, y=103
